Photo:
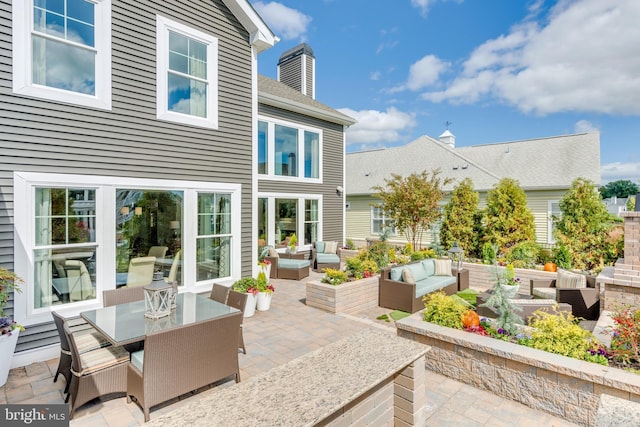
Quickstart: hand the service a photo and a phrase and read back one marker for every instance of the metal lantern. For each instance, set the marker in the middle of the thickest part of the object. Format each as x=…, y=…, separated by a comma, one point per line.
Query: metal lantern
x=456, y=253
x=157, y=299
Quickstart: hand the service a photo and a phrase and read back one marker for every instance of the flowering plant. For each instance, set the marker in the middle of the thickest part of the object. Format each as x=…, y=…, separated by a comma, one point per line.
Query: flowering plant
x=263, y=284
x=9, y=282
x=246, y=285
x=625, y=336
x=264, y=263
x=508, y=277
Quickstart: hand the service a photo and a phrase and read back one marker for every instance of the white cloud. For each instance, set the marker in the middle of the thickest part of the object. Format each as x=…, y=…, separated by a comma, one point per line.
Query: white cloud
x=375, y=127
x=375, y=75
x=582, y=126
x=617, y=170
x=423, y=73
x=582, y=58
x=285, y=22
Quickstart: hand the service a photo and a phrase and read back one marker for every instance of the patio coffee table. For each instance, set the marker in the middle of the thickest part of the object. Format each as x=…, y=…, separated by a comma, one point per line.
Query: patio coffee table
x=126, y=324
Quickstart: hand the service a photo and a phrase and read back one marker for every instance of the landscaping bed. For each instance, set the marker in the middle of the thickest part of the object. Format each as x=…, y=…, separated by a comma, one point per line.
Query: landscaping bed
x=562, y=386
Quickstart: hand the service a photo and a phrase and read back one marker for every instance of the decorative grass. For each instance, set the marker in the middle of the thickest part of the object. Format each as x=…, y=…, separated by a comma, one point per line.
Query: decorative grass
x=469, y=295
x=397, y=315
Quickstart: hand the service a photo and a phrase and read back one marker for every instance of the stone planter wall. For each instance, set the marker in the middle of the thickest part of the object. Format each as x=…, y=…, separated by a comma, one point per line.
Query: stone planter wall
x=482, y=276
x=562, y=386
x=347, y=253
x=348, y=298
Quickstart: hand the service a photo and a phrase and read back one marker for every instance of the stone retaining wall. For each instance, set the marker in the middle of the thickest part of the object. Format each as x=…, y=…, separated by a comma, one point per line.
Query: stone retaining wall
x=482, y=276
x=347, y=298
x=562, y=386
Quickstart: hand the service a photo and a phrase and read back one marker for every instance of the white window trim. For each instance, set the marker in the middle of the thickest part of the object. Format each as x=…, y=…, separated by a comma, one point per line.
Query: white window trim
x=163, y=26
x=22, y=53
x=270, y=175
x=384, y=219
x=24, y=241
x=271, y=214
x=550, y=204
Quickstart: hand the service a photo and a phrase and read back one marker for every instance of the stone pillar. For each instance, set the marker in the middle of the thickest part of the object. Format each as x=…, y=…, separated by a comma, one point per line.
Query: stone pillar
x=627, y=271
x=410, y=400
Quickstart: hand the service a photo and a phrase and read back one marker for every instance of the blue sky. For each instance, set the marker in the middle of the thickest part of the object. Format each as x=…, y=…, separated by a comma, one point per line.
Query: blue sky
x=498, y=70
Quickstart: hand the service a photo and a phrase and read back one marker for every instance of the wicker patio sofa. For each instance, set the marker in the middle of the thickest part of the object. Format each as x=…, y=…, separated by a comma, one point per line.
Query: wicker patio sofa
x=183, y=359
x=398, y=293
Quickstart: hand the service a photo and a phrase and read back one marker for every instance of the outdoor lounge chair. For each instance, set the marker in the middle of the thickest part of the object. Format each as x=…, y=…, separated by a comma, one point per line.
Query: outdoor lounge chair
x=179, y=360
x=122, y=295
x=282, y=268
x=95, y=373
x=324, y=255
x=87, y=339
x=584, y=299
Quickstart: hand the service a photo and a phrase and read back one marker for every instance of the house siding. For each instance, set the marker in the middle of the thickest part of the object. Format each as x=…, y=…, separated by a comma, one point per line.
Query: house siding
x=359, y=216
x=44, y=136
x=332, y=161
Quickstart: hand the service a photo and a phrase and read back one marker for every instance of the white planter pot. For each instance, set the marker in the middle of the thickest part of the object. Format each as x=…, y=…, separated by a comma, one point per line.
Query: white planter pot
x=266, y=269
x=7, y=347
x=509, y=290
x=250, y=308
x=264, y=301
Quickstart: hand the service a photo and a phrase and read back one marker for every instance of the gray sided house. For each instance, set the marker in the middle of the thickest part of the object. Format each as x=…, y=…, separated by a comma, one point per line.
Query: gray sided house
x=127, y=130
x=544, y=168
x=301, y=150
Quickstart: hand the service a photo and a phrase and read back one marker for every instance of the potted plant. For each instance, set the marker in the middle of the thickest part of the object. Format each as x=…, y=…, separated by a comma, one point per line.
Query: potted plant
x=293, y=244
x=508, y=281
x=9, y=329
x=249, y=286
x=265, y=292
x=264, y=266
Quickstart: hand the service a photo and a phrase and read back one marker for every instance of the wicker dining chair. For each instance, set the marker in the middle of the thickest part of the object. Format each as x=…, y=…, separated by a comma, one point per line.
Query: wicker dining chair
x=87, y=339
x=238, y=300
x=122, y=295
x=219, y=293
x=95, y=373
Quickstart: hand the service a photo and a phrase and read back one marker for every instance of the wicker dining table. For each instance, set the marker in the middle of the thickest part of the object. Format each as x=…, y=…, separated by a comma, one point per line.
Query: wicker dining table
x=126, y=323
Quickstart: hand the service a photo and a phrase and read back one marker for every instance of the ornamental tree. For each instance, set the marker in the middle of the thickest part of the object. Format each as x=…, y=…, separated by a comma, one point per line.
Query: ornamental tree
x=507, y=218
x=412, y=203
x=584, y=227
x=458, y=219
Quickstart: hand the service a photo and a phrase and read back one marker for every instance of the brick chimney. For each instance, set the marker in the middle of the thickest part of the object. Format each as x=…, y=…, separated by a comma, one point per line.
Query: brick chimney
x=297, y=69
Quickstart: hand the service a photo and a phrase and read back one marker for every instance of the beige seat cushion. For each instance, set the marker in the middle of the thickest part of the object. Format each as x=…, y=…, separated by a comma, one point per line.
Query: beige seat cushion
x=544, y=293
x=89, y=339
x=273, y=253
x=96, y=360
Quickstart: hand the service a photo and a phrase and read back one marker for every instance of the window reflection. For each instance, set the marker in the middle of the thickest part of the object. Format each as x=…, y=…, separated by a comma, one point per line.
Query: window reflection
x=213, y=242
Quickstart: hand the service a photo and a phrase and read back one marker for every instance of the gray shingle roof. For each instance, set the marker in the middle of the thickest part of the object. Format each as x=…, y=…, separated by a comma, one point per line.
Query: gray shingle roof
x=551, y=163
x=277, y=94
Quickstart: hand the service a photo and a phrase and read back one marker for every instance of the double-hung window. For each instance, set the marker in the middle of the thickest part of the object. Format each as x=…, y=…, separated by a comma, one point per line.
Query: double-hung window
x=289, y=151
x=380, y=222
x=62, y=50
x=282, y=215
x=187, y=86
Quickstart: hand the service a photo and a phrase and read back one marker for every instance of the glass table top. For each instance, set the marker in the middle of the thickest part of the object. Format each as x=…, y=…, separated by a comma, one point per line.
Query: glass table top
x=125, y=323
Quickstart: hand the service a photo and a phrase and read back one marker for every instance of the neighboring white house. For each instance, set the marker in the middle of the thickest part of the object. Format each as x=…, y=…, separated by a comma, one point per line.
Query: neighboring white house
x=544, y=168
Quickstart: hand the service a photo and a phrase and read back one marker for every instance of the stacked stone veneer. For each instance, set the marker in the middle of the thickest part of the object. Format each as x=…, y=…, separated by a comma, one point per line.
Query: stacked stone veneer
x=562, y=386
x=345, y=298
x=624, y=288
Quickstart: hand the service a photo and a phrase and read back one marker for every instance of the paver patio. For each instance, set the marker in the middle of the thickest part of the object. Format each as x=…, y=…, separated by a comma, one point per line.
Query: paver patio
x=288, y=330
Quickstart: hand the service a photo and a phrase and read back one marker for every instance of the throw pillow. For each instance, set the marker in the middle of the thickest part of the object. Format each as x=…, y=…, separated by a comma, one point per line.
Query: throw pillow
x=330, y=247
x=443, y=267
x=396, y=273
x=568, y=280
x=407, y=277
x=273, y=252
x=320, y=247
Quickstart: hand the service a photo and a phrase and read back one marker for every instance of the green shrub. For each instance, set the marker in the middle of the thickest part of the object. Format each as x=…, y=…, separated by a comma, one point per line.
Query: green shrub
x=334, y=277
x=359, y=268
x=563, y=257
x=348, y=244
x=378, y=252
x=560, y=333
x=523, y=254
x=444, y=310
x=488, y=253
x=544, y=256
x=244, y=284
